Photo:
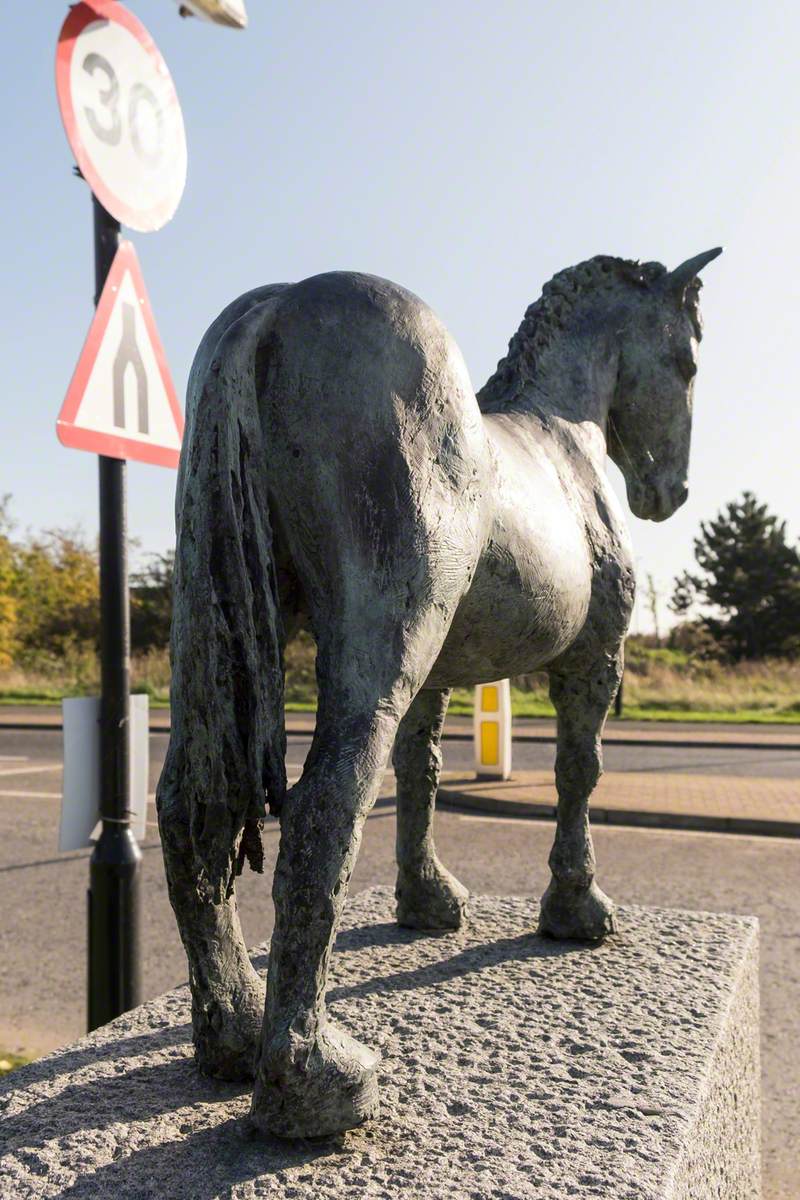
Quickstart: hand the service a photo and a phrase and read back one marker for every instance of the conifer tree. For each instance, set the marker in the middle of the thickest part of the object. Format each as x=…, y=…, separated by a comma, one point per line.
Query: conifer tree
x=749, y=575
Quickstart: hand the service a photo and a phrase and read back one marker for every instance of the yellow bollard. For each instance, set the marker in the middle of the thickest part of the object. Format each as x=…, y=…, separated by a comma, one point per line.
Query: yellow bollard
x=492, y=730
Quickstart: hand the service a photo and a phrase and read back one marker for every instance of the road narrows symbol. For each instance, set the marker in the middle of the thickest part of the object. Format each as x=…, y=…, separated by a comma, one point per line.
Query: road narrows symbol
x=128, y=355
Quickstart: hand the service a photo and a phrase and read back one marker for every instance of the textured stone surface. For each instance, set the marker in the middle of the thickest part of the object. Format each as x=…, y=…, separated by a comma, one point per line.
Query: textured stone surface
x=511, y=1067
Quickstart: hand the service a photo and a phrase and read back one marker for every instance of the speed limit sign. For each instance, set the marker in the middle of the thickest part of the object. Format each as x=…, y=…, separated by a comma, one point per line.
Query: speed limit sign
x=121, y=114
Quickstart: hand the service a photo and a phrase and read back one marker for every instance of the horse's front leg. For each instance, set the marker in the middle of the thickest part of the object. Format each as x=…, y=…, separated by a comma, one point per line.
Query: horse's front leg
x=428, y=896
x=573, y=905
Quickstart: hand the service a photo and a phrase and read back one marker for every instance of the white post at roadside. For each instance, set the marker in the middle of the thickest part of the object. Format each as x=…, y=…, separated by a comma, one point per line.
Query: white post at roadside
x=492, y=730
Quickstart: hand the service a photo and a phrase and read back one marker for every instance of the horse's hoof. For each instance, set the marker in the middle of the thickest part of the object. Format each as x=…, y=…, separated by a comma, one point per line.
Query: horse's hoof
x=430, y=899
x=227, y=1034
x=315, y=1090
x=585, y=914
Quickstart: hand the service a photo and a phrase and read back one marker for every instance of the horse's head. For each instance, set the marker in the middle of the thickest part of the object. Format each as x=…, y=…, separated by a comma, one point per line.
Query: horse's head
x=650, y=418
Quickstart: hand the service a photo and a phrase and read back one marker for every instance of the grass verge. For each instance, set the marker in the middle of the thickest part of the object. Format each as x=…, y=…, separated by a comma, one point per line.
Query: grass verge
x=661, y=684
x=525, y=704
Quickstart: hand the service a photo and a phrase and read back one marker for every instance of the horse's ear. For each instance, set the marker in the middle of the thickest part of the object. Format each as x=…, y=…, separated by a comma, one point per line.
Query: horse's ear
x=678, y=280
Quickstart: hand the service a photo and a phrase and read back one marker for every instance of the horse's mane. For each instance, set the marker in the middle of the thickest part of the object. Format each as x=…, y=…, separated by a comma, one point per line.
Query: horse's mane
x=548, y=316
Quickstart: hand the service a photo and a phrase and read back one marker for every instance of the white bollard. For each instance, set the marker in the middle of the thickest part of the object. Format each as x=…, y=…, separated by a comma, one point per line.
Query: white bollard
x=492, y=730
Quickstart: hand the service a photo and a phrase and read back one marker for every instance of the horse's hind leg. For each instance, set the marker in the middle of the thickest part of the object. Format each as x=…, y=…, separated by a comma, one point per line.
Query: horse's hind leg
x=428, y=896
x=313, y=1078
x=227, y=993
x=573, y=905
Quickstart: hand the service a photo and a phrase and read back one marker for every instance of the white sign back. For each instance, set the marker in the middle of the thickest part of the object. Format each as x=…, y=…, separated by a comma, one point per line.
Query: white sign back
x=121, y=114
x=80, y=803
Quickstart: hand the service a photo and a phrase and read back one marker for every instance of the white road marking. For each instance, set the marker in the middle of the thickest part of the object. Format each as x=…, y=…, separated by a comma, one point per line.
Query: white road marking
x=492, y=820
x=31, y=770
x=14, y=758
x=57, y=795
x=31, y=795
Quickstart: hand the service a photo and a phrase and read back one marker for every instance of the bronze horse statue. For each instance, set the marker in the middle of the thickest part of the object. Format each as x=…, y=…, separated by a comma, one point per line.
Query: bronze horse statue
x=338, y=470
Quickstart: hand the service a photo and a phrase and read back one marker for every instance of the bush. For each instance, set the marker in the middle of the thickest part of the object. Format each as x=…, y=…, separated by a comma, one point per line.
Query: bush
x=151, y=604
x=49, y=593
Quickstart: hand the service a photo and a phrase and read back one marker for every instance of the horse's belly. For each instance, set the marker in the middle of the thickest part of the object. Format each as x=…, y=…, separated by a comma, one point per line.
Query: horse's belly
x=527, y=603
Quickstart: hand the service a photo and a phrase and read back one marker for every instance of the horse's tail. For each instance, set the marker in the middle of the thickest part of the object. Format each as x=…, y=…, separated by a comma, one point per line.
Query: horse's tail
x=228, y=742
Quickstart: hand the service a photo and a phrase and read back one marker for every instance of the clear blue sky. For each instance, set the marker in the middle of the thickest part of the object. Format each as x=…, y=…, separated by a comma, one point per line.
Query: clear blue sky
x=467, y=150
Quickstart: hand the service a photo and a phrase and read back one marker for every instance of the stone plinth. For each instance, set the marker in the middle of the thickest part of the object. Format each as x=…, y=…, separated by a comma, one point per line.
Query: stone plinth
x=512, y=1067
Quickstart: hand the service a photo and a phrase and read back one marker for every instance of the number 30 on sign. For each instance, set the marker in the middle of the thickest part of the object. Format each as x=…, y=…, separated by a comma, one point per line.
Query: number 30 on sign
x=121, y=114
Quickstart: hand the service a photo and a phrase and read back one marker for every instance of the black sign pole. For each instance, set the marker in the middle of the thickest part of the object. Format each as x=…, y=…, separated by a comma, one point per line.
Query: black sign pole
x=114, y=891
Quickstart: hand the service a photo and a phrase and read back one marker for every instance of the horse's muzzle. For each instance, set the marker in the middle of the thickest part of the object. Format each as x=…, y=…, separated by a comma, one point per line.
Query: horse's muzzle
x=656, y=501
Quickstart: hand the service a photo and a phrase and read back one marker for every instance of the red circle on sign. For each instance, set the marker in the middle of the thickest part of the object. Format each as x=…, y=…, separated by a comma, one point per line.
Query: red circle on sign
x=121, y=114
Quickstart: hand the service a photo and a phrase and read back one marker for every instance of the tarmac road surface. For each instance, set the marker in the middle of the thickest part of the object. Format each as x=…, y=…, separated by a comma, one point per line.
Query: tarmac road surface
x=43, y=748
x=43, y=906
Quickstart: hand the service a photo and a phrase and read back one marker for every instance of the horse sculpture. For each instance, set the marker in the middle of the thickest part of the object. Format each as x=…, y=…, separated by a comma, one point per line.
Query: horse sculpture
x=338, y=470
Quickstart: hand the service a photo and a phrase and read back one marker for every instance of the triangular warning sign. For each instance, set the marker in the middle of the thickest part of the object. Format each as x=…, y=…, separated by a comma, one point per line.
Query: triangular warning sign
x=121, y=401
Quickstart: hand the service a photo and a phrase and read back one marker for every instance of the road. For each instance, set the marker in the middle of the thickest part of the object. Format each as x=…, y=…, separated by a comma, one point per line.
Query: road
x=42, y=896
x=42, y=749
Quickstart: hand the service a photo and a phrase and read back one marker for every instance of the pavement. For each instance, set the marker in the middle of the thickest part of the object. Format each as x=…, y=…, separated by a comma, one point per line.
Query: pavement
x=43, y=892
x=722, y=804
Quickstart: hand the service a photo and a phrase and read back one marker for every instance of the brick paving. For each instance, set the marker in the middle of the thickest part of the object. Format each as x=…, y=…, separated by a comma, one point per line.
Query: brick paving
x=699, y=801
